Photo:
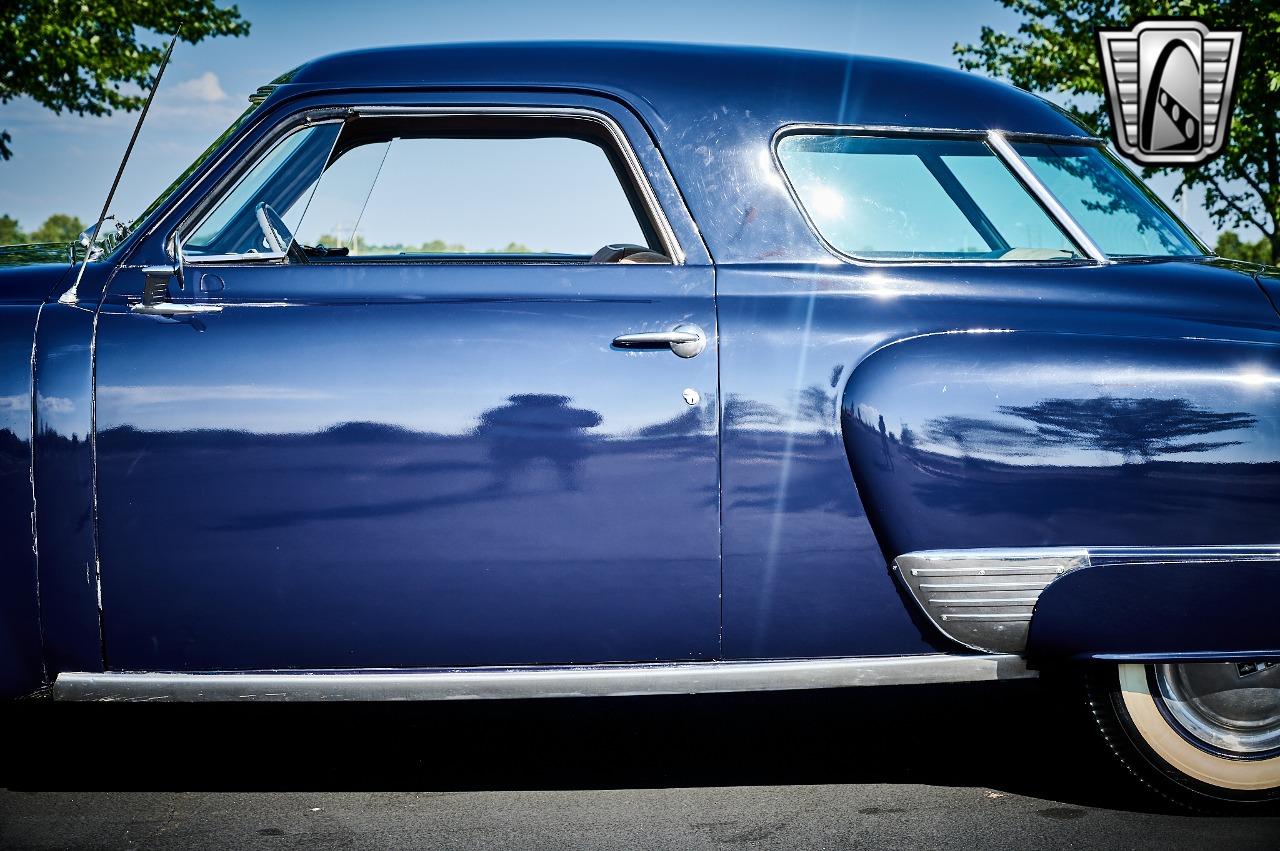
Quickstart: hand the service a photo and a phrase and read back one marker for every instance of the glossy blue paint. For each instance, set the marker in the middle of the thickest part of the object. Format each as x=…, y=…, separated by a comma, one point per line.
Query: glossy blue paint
x=803, y=571
x=64, y=484
x=21, y=660
x=813, y=356
x=1031, y=438
x=27, y=275
x=26, y=279
x=510, y=490
x=410, y=466
x=447, y=464
x=1269, y=280
x=1135, y=608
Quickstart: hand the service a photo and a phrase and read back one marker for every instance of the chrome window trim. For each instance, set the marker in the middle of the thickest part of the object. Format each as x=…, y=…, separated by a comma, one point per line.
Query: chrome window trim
x=998, y=143
x=321, y=115
x=540, y=682
x=1038, y=191
x=194, y=219
x=935, y=132
x=225, y=259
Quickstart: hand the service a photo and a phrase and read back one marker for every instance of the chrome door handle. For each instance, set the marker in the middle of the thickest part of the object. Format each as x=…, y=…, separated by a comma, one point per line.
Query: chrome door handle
x=685, y=341
x=165, y=308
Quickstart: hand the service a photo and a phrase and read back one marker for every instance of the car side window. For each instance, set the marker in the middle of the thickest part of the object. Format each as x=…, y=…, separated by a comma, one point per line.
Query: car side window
x=283, y=177
x=884, y=198
x=440, y=189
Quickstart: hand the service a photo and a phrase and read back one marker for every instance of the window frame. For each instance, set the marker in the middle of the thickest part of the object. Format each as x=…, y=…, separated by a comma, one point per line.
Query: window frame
x=613, y=135
x=998, y=143
x=196, y=218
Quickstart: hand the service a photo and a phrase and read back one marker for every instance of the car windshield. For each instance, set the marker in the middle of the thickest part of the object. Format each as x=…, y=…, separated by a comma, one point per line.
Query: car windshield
x=155, y=205
x=1118, y=212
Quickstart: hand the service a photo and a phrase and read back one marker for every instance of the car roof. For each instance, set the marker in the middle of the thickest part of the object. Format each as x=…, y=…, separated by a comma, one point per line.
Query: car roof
x=713, y=112
x=679, y=82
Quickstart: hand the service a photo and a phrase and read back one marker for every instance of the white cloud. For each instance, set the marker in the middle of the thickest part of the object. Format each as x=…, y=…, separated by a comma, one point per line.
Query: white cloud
x=166, y=394
x=54, y=404
x=205, y=88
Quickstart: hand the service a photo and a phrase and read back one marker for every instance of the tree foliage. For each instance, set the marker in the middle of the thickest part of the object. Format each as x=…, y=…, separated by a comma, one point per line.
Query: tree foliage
x=1054, y=51
x=85, y=56
x=1230, y=245
x=11, y=231
x=59, y=227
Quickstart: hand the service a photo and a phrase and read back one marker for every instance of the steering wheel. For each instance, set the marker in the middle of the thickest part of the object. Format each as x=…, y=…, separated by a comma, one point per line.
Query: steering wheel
x=277, y=234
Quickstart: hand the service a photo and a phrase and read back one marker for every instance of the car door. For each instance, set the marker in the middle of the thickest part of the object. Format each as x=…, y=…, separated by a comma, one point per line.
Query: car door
x=422, y=444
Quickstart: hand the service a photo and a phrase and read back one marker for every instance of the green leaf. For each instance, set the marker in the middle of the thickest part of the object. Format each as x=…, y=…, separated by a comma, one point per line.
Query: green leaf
x=87, y=58
x=1055, y=50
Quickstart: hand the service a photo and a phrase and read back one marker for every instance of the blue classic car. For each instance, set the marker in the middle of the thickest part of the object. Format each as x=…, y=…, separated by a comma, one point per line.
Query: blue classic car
x=763, y=370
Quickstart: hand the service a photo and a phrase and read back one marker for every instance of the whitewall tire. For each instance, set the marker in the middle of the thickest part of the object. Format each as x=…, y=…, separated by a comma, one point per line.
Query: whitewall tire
x=1205, y=734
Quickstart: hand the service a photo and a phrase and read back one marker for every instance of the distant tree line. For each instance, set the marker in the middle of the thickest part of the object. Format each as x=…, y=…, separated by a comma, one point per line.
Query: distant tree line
x=435, y=246
x=57, y=228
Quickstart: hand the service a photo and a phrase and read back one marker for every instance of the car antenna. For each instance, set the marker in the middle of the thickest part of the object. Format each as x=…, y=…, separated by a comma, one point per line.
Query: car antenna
x=71, y=296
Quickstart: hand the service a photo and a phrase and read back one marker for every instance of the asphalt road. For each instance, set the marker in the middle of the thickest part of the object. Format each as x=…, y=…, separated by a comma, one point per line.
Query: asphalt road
x=964, y=767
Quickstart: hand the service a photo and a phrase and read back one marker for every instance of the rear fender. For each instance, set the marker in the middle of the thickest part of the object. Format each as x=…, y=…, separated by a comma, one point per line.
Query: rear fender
x=1027, y=439
x=1151, y=605
x=1149, y=467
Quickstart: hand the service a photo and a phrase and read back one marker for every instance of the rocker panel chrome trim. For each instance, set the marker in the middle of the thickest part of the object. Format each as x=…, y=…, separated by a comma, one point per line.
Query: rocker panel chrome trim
x=510, y=683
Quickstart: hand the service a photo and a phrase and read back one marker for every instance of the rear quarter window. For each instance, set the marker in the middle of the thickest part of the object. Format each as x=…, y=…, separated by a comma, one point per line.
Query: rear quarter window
x=917, y=199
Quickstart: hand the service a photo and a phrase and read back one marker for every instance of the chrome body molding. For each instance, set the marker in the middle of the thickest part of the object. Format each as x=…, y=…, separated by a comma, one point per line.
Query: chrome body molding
x=500, y=683
x=985, y=598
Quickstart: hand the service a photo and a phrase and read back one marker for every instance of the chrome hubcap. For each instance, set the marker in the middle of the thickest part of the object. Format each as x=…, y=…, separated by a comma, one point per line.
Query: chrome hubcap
x=1229, y=706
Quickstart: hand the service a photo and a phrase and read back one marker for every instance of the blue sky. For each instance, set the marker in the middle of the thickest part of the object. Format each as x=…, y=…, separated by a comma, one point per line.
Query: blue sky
x=65, y=163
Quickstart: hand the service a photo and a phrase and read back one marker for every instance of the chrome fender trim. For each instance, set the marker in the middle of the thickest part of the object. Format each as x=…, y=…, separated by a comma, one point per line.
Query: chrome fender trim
x=985, y=598
x=576, y=681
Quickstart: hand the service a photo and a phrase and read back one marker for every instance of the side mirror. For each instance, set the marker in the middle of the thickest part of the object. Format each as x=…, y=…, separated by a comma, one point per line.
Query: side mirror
x=110, y=232
x=84, y=240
